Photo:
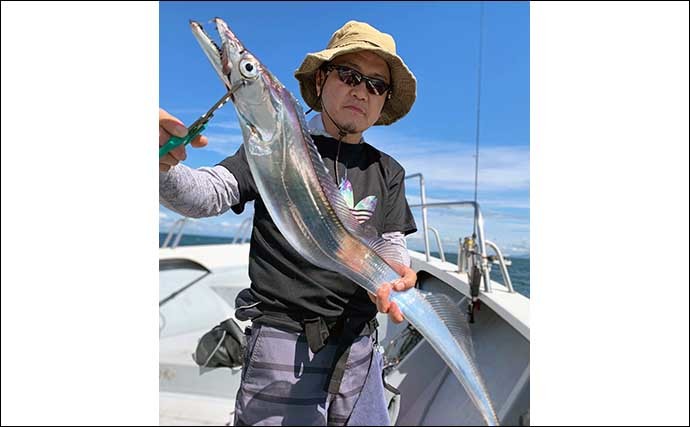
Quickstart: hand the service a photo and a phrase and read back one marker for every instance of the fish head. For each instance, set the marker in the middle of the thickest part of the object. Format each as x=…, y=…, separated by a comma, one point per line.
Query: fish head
x=257, y=93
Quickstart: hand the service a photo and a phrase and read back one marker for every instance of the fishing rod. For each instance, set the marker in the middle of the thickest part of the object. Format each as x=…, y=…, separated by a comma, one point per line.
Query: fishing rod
x=476, y=273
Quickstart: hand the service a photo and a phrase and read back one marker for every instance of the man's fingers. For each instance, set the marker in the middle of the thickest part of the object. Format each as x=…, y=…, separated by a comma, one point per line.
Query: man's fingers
x=179, y=153
x=170, y=124
x=163, y=136
x=383, y=303
x=399, y=285
x=199, y=141
x=173, y=127
x=395, y=313
x=382, y=295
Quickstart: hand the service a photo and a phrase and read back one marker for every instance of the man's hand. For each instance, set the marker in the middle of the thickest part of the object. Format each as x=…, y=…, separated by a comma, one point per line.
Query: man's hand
x=382, y=297
x=167, y=127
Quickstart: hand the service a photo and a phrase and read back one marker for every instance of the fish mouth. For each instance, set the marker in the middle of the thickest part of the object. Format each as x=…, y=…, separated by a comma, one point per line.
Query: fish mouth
x=212, y=51
x=227, y=37
x=221, y=57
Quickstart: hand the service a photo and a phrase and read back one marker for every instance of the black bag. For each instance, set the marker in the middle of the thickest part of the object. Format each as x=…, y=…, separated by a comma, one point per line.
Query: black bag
x=222, y=346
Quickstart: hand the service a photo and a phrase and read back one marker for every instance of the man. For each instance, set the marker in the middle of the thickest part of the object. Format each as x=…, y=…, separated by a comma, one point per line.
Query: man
x=310, y=356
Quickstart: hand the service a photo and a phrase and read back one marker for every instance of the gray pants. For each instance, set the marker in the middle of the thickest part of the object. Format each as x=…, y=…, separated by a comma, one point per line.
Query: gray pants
x=284, y=383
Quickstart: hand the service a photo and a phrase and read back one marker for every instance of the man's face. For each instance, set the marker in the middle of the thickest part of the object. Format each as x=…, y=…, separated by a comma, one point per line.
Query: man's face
x=354, y=108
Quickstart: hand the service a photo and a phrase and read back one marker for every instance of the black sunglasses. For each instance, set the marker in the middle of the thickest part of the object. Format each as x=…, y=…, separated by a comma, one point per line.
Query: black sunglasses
x=353, y=77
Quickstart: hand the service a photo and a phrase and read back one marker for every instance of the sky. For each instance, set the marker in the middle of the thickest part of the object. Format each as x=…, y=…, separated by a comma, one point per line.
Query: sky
x=608, y=134
x=439, y=41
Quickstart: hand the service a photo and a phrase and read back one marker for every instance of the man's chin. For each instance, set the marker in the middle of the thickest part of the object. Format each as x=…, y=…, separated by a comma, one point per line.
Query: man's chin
x=352, y=127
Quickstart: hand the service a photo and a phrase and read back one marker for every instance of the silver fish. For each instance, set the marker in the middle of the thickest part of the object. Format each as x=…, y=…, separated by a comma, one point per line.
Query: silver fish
x=312, y=215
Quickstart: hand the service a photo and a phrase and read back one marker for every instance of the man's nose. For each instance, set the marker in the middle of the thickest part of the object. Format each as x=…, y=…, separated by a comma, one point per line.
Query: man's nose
x=360, y=91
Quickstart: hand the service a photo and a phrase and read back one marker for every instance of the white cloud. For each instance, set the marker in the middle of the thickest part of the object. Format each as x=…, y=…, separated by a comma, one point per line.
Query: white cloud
x=500, y=168
x=450, y=165
x=225, y=144
x=162, y=215
x=224, y=125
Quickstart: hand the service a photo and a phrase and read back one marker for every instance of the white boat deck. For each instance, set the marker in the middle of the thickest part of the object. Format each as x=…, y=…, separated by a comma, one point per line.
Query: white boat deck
x=178, y=409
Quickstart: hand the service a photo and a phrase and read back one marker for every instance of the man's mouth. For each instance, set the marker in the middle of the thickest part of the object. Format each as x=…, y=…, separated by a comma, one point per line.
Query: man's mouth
x=355, y=109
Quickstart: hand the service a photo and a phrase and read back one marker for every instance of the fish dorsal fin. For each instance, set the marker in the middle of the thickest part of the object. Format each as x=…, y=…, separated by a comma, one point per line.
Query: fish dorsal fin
x=367, y=236
x=454, y=317
x=384, y=249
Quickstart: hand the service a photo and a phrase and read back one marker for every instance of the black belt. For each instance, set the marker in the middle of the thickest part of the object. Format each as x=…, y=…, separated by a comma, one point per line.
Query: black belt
x=317, y=329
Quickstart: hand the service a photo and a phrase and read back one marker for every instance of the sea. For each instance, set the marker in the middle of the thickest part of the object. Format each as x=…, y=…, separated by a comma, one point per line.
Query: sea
x=518, y=270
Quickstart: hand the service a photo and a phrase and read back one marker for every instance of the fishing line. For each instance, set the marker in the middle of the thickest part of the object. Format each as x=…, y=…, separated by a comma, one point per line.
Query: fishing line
x=479, y=97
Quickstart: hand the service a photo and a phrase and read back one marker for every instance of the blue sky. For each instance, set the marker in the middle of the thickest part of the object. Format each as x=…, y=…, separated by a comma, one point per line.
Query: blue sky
x=440, y=43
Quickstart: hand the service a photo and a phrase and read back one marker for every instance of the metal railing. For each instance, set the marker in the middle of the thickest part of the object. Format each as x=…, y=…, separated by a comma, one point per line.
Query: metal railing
x=438, y=243
x=243, y=232
x=502, y=264
x=481, y=241
x=180, y=223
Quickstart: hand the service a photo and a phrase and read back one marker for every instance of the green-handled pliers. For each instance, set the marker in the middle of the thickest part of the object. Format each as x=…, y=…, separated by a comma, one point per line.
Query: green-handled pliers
x=197, y=127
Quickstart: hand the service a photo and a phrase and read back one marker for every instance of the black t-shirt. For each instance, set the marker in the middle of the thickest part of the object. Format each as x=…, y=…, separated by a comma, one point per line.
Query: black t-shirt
x=281, y=279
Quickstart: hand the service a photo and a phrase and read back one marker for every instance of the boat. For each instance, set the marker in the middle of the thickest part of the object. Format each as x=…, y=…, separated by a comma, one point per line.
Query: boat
x=198, y=285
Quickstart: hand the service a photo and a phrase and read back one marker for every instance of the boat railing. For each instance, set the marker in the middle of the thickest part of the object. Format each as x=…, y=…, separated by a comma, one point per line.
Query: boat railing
x=177, y=226
x=481, y=242
x=243, y=233
x=438, y=243
x=502, y=263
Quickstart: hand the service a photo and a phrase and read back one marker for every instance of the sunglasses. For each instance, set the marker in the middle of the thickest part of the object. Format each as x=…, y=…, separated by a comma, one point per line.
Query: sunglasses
x=353, y=77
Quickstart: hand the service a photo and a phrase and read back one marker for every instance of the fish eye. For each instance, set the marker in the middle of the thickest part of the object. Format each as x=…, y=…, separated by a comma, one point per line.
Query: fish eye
x=248, y=69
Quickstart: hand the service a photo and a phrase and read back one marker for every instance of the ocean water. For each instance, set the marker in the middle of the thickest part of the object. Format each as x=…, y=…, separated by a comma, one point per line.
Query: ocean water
x=519, y=270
